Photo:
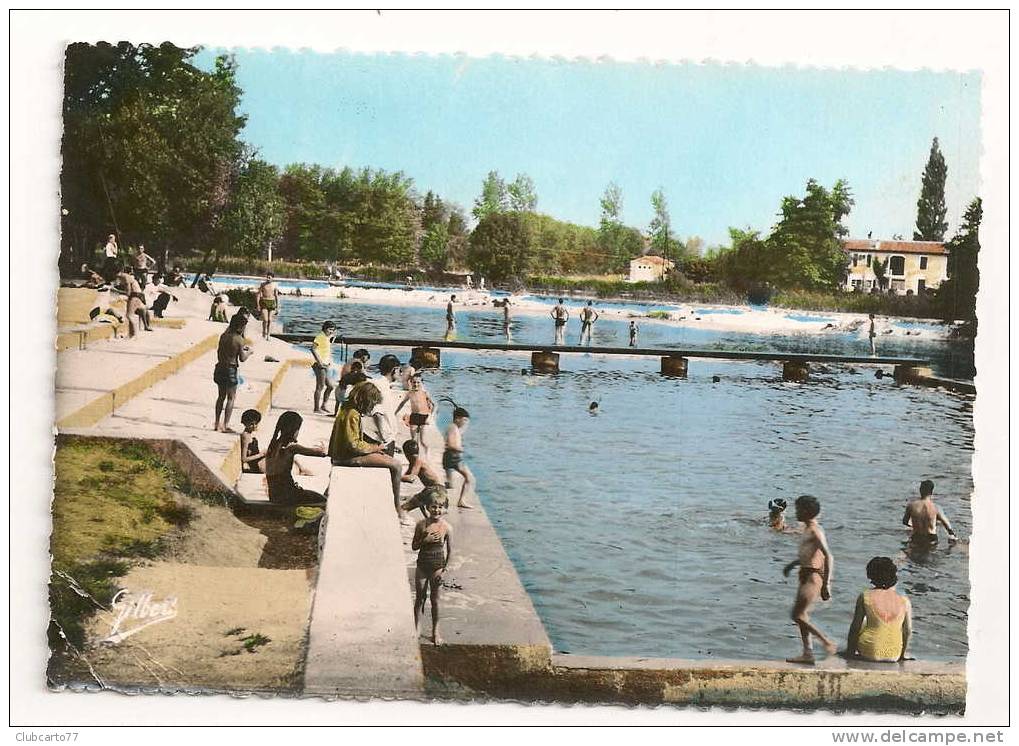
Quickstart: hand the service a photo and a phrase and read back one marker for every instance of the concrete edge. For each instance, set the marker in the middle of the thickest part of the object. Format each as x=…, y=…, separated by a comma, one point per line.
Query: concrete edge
x=98, y=408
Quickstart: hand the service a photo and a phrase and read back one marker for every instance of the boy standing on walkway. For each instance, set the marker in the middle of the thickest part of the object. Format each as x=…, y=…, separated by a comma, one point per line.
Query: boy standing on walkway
x=815, y=562
x=322, y=351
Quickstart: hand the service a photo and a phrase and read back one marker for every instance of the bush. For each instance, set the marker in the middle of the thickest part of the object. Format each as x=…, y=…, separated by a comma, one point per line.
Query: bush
x=914, y=306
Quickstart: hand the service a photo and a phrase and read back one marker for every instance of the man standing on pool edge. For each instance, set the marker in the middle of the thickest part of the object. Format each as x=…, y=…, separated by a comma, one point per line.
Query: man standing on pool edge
x=268, y=301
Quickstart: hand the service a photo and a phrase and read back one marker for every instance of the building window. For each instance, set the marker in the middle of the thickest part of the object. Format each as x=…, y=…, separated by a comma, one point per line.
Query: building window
x=897, y=266
x=923, y=262
x=921, y=286
x=856, y=258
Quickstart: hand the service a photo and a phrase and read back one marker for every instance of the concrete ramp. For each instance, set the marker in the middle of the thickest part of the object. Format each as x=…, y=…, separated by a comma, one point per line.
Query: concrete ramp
x=362, y=640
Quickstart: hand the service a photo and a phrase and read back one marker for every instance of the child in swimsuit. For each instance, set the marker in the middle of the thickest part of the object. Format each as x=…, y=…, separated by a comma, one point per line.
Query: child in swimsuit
x=432, y=540
x=633, y=333
x=453, y=456
x=252, y=459
x=815, y=562
x=776, y=508
x=421, y=408
x=419, y=468
x=923, y=517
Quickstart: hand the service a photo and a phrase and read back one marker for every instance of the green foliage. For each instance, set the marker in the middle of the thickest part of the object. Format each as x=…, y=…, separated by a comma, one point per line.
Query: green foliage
x=804, y=249
x=880, y=269
x=957, y=296
x=254, y=217
x=522, y=195
x=805, y=246
x=663, y=242
x=501, y=246
x=930, y=208
x=699, y=269
x=882, y=304
x=617, y=243
x=557, y=246
x=149, y=146
x=493, y=198
x=435, y=246
x=366, y=216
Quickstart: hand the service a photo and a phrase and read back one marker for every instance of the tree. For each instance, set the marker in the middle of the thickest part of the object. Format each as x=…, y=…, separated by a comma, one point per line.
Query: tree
x=880, y=269
x=493, y=197
x=255, y=215
x=930, y=208
x=617, y=243
x=435, y=246
x=150, y=145
x=663, y=242
x=522, y=196
x=432, y=210
x=500, y=246
x=805, y=246
x=456, y=245
x=957, y=296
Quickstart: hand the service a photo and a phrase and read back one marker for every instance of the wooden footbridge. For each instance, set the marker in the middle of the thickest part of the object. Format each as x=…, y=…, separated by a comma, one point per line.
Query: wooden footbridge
x=674, y=361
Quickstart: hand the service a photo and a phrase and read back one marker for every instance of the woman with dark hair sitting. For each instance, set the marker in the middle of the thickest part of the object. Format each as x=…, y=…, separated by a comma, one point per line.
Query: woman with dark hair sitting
x=883, y=621
x=348, y=447
x=279, y=464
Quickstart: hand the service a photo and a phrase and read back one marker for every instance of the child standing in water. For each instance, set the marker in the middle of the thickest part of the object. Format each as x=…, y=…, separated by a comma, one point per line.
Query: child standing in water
x=633, y=334
x=815, y=563
x=453, y=456
x=776, y=519
x=432, y=540
x=252, y=458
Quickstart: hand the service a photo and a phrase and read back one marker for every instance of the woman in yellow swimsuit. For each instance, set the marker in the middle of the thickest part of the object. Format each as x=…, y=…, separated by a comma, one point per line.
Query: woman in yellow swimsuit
x=883, y=621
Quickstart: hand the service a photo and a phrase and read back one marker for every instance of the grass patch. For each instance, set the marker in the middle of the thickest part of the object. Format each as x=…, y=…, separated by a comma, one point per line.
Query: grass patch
x=659, y=315
x=113, y=502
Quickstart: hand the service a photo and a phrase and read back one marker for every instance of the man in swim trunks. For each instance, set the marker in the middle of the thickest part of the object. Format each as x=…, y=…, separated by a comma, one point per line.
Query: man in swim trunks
x=267, y=300
x=233, y=349
x=142, y=264
x=924, y=516
x=322, y=351
x=587, y=318
x=560, y=315
x=137, y=307
x=815, y=562
x=450, y=316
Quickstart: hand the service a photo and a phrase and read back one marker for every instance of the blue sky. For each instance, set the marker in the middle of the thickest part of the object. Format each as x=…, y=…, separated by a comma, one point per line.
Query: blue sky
x=725, y=142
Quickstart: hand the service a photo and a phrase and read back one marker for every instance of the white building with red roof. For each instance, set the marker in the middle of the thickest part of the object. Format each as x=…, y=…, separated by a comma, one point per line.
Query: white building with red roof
x=649, y=268
x=911, y=267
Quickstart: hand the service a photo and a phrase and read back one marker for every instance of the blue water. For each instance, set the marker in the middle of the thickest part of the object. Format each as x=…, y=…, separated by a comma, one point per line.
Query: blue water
x=642, y=531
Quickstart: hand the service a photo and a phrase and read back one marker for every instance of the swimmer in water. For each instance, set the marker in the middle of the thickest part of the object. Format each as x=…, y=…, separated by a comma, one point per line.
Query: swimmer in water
x=593, y=408
x=923, y=516
x=815, y=562
x=776, y=508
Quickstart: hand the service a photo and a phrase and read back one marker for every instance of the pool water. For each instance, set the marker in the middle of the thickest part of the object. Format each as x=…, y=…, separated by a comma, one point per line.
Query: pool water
x=642, y=531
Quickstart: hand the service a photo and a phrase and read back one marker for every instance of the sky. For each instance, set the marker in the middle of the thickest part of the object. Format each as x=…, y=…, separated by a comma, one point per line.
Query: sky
x=724, y=142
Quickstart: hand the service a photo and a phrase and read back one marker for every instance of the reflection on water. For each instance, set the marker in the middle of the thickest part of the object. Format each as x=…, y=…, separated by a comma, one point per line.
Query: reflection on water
x=641, y=531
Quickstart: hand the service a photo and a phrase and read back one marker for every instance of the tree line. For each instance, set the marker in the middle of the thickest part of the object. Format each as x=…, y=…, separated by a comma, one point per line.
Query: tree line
x=152, y=152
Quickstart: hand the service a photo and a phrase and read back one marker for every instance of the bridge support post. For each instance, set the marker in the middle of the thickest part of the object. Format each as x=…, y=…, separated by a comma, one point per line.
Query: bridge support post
x=674, y=366
x=427, y=357
x=795, y=370
x=911, y=374
x=545, y=362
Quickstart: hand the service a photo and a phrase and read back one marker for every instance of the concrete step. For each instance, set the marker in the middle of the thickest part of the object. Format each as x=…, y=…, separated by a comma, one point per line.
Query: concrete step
x=362, y=640
x=182, y=407
x=93, y=383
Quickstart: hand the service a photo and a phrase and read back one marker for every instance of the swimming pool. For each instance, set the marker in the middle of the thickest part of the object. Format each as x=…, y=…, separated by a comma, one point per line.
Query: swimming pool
x=642, y=531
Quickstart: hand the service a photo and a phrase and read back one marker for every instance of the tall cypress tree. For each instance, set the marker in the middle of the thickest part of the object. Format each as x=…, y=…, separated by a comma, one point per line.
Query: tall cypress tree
x=930, y=208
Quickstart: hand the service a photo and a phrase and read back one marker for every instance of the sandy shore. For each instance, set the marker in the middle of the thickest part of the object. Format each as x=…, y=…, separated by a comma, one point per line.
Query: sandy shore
x=720, y=318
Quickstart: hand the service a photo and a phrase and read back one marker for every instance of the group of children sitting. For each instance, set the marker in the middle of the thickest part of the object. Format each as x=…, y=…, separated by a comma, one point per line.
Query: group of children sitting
x=882, y=623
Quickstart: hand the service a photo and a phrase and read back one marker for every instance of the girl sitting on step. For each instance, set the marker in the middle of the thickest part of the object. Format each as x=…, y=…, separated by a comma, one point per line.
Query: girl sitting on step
x=279, y=464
